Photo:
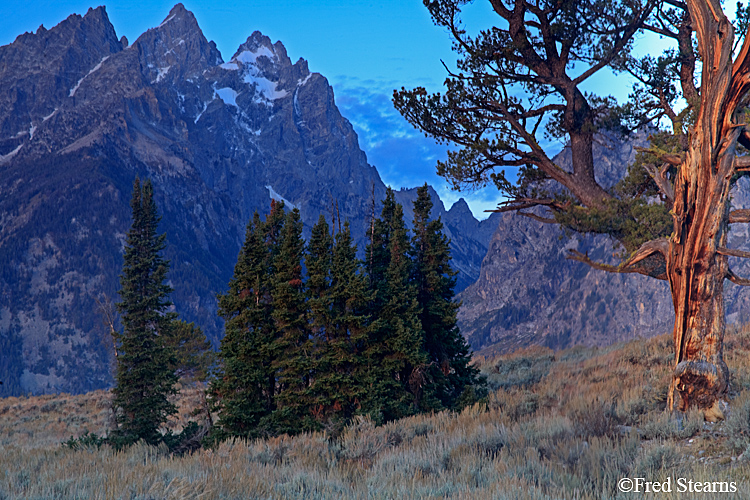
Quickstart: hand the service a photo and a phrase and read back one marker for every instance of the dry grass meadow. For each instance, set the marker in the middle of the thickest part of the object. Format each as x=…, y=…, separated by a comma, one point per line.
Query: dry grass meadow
x=555, y=426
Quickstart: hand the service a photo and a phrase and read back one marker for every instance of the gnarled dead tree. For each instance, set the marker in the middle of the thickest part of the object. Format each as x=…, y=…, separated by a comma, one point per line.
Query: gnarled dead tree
x=671, y=211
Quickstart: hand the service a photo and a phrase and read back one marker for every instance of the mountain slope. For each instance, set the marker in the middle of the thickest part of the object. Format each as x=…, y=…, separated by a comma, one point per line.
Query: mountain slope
x=83, y=113
x=529, y=293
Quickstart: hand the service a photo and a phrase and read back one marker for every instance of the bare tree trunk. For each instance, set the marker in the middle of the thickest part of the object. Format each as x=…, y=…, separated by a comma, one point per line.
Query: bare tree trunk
x=696, y=269
x=696, y=273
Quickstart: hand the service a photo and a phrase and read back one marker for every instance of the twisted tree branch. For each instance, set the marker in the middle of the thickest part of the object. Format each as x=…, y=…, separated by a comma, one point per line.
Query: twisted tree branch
x=739, y=215
x=660, y=178
x=733, y=253
x=736, y=279
x=650, y=260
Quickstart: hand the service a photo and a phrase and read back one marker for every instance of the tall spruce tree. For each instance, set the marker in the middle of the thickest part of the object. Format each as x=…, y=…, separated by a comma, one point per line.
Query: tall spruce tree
x=292, y=347
x=349, y=296
x=395, y=349
x=241, y=392
x=246, y=389
x=337, y=297
x=145, y=365
x=449, y=372
x=318, y=261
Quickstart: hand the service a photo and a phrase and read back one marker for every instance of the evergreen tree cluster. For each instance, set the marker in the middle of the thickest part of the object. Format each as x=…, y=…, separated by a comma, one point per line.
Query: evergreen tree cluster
x=314, y=336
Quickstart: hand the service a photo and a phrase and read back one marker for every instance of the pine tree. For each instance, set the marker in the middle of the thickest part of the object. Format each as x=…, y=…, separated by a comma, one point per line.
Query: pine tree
x=292, y=347
x=145, y=365
x=245, y=389
x=337, y=296
x=395, y=350
x=449, y=373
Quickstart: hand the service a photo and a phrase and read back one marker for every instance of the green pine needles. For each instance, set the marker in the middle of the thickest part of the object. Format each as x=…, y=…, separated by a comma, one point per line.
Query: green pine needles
x=452, y=380
x=145, y=364
x=314, y=336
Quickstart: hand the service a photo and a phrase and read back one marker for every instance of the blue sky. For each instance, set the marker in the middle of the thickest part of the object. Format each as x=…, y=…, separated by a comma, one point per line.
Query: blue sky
x=365, y=49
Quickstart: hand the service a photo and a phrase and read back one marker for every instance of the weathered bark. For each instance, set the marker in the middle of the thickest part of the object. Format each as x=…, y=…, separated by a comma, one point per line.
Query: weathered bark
x=695, y=268
x=696, y=273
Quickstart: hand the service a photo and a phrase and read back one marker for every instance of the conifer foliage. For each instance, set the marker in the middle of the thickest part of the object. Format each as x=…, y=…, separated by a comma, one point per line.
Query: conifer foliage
x=395, y=348
x=194, y=355
x=292, y=346
x=338, y=298
x=145, y=364
x=451, y=377
x=245, y=390
x=309, y=352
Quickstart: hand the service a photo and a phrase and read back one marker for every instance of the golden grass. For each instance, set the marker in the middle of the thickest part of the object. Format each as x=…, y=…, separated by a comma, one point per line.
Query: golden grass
x=555, y=426
x=46, y=421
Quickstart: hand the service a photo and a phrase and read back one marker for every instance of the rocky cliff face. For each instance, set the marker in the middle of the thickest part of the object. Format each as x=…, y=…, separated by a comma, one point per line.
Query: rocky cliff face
x=529, y=293
x=82, y=113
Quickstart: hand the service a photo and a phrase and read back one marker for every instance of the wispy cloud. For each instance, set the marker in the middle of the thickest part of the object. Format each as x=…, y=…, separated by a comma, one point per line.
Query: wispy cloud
x=402, y=154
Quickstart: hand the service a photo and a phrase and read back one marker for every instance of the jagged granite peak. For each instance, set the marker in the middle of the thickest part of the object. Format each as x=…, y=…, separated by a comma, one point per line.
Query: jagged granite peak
x=258, y=46
x=461, y=208
x=260, y=62
x=176, y=49
x=52, y=62
x=259, y=72
x=218, y=140
x=129, y=85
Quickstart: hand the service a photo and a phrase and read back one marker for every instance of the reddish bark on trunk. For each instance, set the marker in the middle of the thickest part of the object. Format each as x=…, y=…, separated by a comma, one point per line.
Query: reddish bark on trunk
x=696, y=268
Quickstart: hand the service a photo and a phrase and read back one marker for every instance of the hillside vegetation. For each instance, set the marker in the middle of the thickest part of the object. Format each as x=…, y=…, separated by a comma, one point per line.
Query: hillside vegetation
x=556, y=425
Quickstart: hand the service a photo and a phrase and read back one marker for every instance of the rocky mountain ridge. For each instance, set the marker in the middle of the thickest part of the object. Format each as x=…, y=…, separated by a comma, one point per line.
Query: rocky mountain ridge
x=83, y=112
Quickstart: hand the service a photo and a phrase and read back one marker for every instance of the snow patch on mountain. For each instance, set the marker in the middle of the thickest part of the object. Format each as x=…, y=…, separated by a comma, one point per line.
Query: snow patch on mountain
x=228, y=95
x=276, y=196
x=161, y=74
x=205, y=105
x=265, y=89
x=167, y=20
x=6, y=158
x=95, y=68
x=249, y=57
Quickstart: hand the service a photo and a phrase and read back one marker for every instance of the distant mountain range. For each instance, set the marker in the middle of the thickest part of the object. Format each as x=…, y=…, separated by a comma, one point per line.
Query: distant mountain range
x=83, y=112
